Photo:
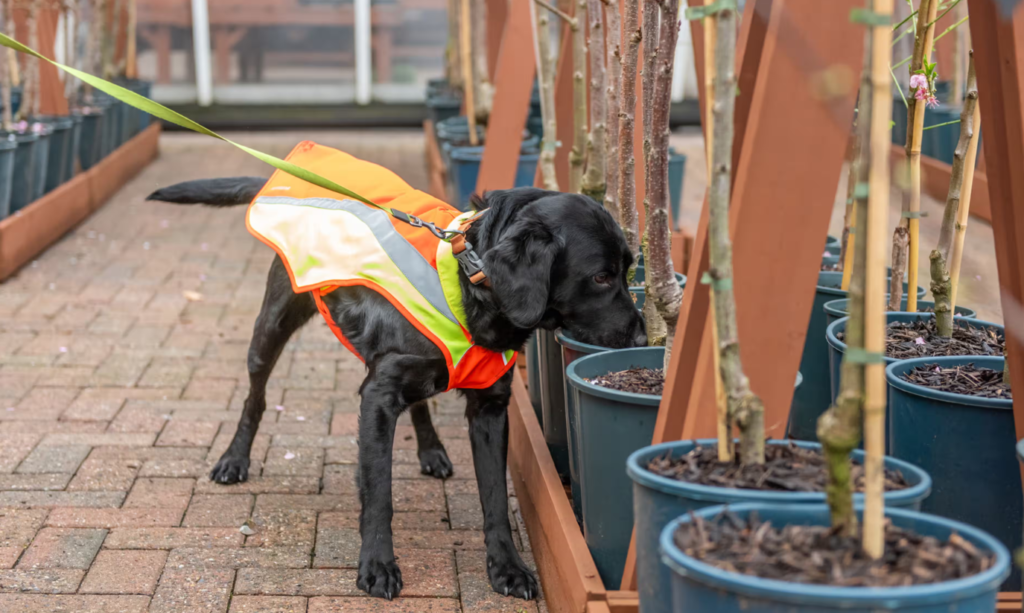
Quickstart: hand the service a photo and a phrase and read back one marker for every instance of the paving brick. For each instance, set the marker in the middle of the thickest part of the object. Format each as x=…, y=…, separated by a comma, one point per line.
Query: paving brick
x=61, y=439
x=206, y=591
x=465, y=512
x=283, y=528
x=239, y=557
x=14, y=448
x=139, y=418
x=160, y=493
x=417, y=495
x=35, y=603
x=95, y=404
x=97, y=474
x=188, y=434
x=42, y=481
x=322, y=502
x=167, y=373
x=294, y=461
x=63, y=548
x=61, y=499
x=218, y=390
x=399, y=521
x=340, y=479
x=375, y=605
x=219, y=510
x=439, y=539
x=297, y=582
x=42, y=404
x=337, y=547
x=268, y=604
x=145, y=454
x=345, y=424
x=19, y=526
x=8, y=428
x=124, y=572
x=9, y=556
x=277, y=485
x=170, y=538
x=175, y=468
x=52, y=459
x=42, y=581
x=113, y=518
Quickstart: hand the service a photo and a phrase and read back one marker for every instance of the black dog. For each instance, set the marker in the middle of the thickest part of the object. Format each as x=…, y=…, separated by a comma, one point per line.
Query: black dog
x=553, y=260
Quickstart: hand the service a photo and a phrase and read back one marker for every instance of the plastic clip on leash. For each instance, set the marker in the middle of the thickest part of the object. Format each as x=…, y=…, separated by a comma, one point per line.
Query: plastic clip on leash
x=468, y=259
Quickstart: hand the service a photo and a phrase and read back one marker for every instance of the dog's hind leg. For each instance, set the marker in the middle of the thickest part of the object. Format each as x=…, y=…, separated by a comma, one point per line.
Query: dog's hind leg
x=433, y=457
x=487, y=411
x=283, y=313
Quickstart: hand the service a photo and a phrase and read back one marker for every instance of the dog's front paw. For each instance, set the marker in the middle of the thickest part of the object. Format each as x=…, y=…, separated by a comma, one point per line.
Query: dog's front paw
x=379, y=578
x=230, y=469
x=512, y=578
x=435, y=462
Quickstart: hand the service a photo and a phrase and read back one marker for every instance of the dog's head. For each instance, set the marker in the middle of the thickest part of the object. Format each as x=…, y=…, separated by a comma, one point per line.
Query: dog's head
x=559, y=260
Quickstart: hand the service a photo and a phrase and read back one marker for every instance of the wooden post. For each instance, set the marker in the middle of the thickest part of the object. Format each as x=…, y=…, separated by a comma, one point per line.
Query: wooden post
x=498, y=14
x=51, y=88
x=998, y=41
x=513, y=77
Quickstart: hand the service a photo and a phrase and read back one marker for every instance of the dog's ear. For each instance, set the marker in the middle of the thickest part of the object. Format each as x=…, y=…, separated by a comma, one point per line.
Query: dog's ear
x=519, y=269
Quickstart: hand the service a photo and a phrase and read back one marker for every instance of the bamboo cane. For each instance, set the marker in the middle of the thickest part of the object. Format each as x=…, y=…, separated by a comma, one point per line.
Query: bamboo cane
x=964, y=212
x=874, y=311
x=467, y=70
x=6, y=120
x=914, y=157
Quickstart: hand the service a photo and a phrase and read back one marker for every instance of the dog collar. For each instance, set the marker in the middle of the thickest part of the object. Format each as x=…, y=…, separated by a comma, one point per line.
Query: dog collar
x=469, y=260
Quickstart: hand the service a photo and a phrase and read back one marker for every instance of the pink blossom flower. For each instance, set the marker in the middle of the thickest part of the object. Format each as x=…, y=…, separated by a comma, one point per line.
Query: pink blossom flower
x=918, y=81
x=919, y=341
x=922, y=94
x=932, y=102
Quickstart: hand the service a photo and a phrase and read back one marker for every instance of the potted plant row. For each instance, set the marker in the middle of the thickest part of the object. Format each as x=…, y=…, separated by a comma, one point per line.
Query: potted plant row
x=709, y=535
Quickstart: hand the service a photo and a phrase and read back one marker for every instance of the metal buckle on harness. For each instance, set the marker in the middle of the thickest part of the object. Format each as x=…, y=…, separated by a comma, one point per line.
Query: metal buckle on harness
x=471, y=264
x=416, y=222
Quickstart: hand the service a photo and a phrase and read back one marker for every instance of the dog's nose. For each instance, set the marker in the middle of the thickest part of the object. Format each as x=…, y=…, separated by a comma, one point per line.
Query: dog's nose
x=640, y=334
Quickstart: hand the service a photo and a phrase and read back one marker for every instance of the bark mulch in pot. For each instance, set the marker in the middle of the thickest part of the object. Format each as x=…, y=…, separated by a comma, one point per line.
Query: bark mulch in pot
x=966, y=379
x=814, y=554
x=920, y=339
x=787, y=468
x=635, y=380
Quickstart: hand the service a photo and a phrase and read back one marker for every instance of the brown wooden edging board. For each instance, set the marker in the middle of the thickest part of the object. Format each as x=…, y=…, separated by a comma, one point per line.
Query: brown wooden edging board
x=935, y=182
x=38, y=225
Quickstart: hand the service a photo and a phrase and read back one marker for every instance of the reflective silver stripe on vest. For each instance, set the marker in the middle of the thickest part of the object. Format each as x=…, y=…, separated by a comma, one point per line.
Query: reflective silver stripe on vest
x=411, y=262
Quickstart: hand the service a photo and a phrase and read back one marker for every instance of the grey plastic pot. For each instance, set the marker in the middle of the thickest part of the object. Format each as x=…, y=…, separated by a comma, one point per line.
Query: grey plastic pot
x=552, y=401
x=966, y=444
x=573, y=350
x=41, y=161
x=24, y=171
x=75, y=143
x=612, y=425
x=697, y=586
x=658, y=500
x=59, y=151
x=833, y=245
x=7, y=149
x=838, y=347
x=836, y=309
x=638, y=291
x=91, y=134
x=533, y=376
x=812, y=399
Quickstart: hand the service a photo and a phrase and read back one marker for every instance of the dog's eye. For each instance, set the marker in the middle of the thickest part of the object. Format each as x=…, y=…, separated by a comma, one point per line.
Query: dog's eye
x=603, y=278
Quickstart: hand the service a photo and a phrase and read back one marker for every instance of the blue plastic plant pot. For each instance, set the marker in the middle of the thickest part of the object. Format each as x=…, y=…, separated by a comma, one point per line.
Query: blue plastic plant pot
x=638, y=291
x=464, y=170
x=144, y=88
x=966, y=444
x=59, y=151
x=533, y=376
x=697, y=586
x=552, y=401
x=573, y=350
x=74, y=144
x=836, y=347
x=90, y=143
x=676, y=172
x=7, y=148
x=935, y=141
x=833, y=245
x=443, y=107
x=24, y=171
x=40, y=164
x=658, y=500
x=832, y=260
x=836, y=309
x=812, y=399
x=899, y=119
x=612, y=425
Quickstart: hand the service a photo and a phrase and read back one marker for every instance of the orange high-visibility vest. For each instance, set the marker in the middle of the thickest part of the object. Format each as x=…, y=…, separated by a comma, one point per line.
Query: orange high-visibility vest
x=327, y=241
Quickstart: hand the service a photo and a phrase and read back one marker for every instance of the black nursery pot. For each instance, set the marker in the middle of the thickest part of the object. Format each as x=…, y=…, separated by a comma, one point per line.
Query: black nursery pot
x=41, y=161
x=7, y=149
x=73, y=144
x=24, y=167
x=90, y=144
x=59, y=151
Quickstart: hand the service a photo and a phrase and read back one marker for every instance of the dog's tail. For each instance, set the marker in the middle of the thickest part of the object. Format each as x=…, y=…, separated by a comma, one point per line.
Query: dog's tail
x=229, y=191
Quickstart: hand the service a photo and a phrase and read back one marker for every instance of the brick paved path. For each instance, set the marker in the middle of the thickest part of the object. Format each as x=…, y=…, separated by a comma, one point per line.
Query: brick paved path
x=122, y=374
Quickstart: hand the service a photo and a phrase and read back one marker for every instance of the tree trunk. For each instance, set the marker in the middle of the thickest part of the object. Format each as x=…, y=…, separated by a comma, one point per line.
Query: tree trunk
x=579, y=96
x=839, y=428
x=940, y=272
x=453, y=69
x=612, y=109
x=483, y=89
x=594, y=178
x=849, y=217
x=5, y=74
x=546, y=87
x=662, y=288
x=656, y=327
x=743, y=404
x=627, y=107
